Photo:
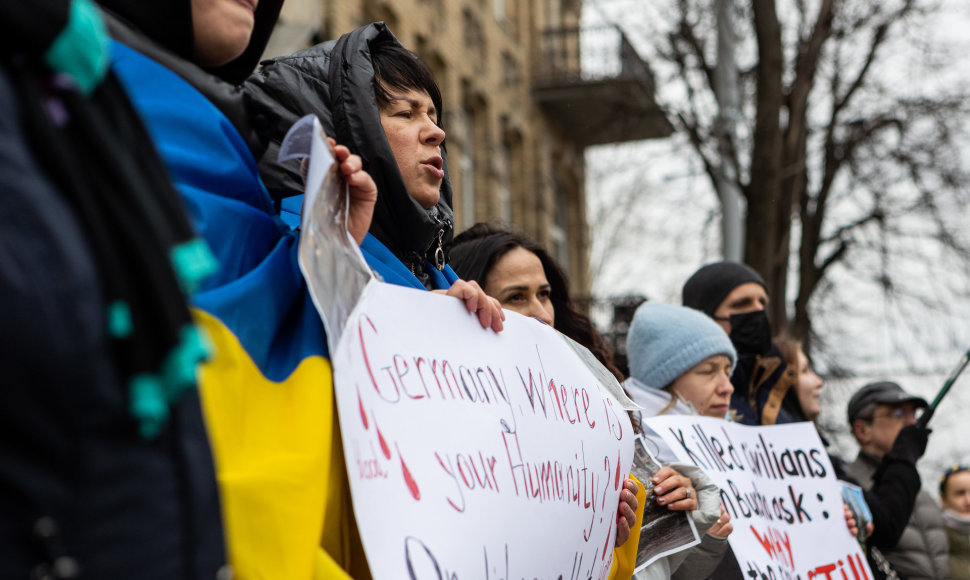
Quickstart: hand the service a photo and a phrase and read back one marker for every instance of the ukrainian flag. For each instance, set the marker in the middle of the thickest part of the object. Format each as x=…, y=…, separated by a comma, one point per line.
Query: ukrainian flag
x=268, y=391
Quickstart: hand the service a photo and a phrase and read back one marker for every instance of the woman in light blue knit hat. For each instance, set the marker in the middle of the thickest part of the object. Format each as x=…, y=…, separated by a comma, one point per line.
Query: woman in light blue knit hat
x=680, y=363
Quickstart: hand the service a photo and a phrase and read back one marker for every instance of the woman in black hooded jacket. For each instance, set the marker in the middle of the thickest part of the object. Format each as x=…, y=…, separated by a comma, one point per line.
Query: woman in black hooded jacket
x=350, y=84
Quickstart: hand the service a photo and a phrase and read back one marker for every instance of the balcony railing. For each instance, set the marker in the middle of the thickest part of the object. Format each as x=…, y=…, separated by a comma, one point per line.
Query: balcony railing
x=595, y=86
x=573, y=55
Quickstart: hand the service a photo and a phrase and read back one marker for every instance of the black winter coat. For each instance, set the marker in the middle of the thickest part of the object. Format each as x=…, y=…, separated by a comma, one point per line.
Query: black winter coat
x=84, y=493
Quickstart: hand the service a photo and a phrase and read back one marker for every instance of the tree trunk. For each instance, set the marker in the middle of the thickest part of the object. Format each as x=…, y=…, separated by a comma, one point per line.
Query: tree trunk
x=769, y=210
x=796, y=168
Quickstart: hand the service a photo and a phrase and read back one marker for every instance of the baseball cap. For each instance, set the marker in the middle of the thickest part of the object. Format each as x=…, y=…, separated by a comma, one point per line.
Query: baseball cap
x=883, y=393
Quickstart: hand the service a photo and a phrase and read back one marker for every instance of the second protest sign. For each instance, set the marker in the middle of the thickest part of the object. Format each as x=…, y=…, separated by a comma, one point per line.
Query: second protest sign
x=779, y=488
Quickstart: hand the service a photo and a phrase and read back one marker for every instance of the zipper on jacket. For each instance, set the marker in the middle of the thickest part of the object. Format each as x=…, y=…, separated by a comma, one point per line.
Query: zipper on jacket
x=439, y=252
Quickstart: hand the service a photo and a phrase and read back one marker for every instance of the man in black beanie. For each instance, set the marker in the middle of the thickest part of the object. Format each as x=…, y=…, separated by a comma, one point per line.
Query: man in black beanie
x=736, y=297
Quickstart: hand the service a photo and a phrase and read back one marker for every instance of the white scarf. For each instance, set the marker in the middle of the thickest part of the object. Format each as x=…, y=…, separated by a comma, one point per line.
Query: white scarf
x=956, y=521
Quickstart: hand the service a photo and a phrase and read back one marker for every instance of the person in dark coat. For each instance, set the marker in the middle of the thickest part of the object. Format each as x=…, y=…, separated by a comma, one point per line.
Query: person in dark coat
x=736, y=297
x=882, y=417
x=372, y=94
x=355, y=86
x=105, y=469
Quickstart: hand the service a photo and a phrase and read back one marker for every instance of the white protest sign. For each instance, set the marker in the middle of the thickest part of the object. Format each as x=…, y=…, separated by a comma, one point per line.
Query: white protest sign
x=474, y=454
x=779, y=488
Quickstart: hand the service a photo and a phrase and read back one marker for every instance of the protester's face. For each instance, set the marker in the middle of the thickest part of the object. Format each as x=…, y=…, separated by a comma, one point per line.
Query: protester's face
x=887, y=421
x=809, y=388
x=410, y=123
x=518, y=281
x=707, y=386
x=956, y=494
x=747, y=297
x=222, y=29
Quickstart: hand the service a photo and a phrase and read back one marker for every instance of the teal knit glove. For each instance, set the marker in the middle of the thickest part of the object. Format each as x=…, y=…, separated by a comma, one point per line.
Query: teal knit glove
x=81, y=49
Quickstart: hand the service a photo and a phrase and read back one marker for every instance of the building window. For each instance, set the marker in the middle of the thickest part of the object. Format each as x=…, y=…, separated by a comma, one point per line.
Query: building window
x=506, y=15
x=474, y=38
x=553, y=14
x=379, y=11
x=499, y=6
x=558, y=235
x=510, y=70
x=504, y=178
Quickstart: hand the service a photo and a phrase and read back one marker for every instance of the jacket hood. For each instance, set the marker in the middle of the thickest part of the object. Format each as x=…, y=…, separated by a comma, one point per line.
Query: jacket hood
x=335, y=81
x=169, y=23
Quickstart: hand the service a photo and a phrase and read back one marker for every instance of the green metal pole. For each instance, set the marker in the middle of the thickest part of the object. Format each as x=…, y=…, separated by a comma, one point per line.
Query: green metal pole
x=928, y=414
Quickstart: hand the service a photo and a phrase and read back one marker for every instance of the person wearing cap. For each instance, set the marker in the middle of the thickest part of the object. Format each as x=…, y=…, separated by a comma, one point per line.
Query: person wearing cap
x=882, y=417
x=891, y=500
x=955, y=498
x=735, y=296
x=680, y=364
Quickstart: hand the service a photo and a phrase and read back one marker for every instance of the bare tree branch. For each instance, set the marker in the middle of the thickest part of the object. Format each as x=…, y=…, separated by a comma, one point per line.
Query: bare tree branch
x=879, y=37
x=827, y=135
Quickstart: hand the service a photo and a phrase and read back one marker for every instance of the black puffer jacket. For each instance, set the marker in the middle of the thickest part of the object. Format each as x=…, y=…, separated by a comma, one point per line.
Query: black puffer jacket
x=335, y=81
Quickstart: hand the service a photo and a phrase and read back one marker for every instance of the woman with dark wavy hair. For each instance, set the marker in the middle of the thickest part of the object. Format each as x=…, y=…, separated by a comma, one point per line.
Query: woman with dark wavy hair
x=523, y=277
x=518, y=272
x=514, y=269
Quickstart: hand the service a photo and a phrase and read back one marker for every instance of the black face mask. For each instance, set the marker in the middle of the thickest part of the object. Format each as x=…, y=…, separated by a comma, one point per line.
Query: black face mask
x=751, y=332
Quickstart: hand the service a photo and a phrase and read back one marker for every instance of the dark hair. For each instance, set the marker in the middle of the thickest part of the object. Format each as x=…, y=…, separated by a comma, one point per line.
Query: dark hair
x=474, y=253
x=789, y=349
x=952, y=470
x=396, y=67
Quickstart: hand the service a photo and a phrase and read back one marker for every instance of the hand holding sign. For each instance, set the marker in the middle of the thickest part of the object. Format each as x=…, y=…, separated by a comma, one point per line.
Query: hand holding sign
x=626, y=515
x=361, y=191
x=723, y=527
x=486, y=308
x=673, y=490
